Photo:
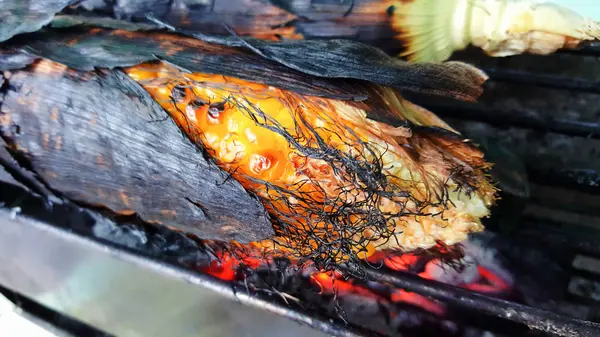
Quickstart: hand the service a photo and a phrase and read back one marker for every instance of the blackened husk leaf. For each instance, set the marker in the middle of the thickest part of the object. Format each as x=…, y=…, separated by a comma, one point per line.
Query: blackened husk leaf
x=354, y=60
x=334, y=69
x=363, y=20
x=101, y=140
x=25, y=16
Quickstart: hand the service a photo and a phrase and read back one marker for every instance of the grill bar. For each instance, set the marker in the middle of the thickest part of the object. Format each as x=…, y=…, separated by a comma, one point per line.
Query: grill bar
x=516, y=118
x=535, y=319
x=566, y=200
x=560, y=235
x=542, y=80
x=586, y=180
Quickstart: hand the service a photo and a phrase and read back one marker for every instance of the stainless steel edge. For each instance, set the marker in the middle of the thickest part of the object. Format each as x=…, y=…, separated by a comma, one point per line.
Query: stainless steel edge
x=131, y=296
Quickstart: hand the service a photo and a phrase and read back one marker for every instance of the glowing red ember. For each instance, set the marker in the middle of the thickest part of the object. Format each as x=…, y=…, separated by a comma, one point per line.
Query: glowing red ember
x=479, y=271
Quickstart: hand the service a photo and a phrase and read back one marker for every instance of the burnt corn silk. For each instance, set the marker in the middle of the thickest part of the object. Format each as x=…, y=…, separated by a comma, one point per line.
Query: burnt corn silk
x=336, y=183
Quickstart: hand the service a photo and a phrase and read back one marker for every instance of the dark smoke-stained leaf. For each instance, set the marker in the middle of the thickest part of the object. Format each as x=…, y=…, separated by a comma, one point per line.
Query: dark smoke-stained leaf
x=101, y=140
x=332, y=68
x=349, y=59
x=25, y=16
x=12, y=172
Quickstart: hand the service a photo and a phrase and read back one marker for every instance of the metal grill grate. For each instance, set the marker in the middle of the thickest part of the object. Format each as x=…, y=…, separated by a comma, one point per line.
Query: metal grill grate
x=561, y=209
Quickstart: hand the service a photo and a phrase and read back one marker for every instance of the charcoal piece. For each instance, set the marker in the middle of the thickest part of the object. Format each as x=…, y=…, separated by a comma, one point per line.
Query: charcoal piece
x=334, y=69
x=99, y=139
x=25, y=16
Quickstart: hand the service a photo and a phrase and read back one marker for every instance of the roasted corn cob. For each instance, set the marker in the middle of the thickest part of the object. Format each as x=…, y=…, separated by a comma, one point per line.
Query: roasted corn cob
x=337, y=184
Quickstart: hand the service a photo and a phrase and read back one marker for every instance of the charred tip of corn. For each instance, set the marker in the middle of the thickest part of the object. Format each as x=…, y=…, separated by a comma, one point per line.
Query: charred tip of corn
x=433, y=29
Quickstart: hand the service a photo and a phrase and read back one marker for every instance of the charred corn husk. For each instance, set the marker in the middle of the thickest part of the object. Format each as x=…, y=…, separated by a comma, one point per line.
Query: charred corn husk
x=419, y=30
x=338, y=184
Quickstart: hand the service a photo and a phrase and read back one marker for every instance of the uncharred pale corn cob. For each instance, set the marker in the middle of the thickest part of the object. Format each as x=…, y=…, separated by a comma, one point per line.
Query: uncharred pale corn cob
x=336, y=183
x=434, y=29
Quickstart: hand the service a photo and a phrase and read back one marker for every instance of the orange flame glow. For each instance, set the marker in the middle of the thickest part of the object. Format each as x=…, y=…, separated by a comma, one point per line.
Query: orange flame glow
x=335, y=283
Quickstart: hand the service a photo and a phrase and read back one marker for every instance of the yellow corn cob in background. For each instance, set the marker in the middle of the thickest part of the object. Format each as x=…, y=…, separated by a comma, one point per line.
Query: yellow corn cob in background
x=337, y=183
x=433, y=29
